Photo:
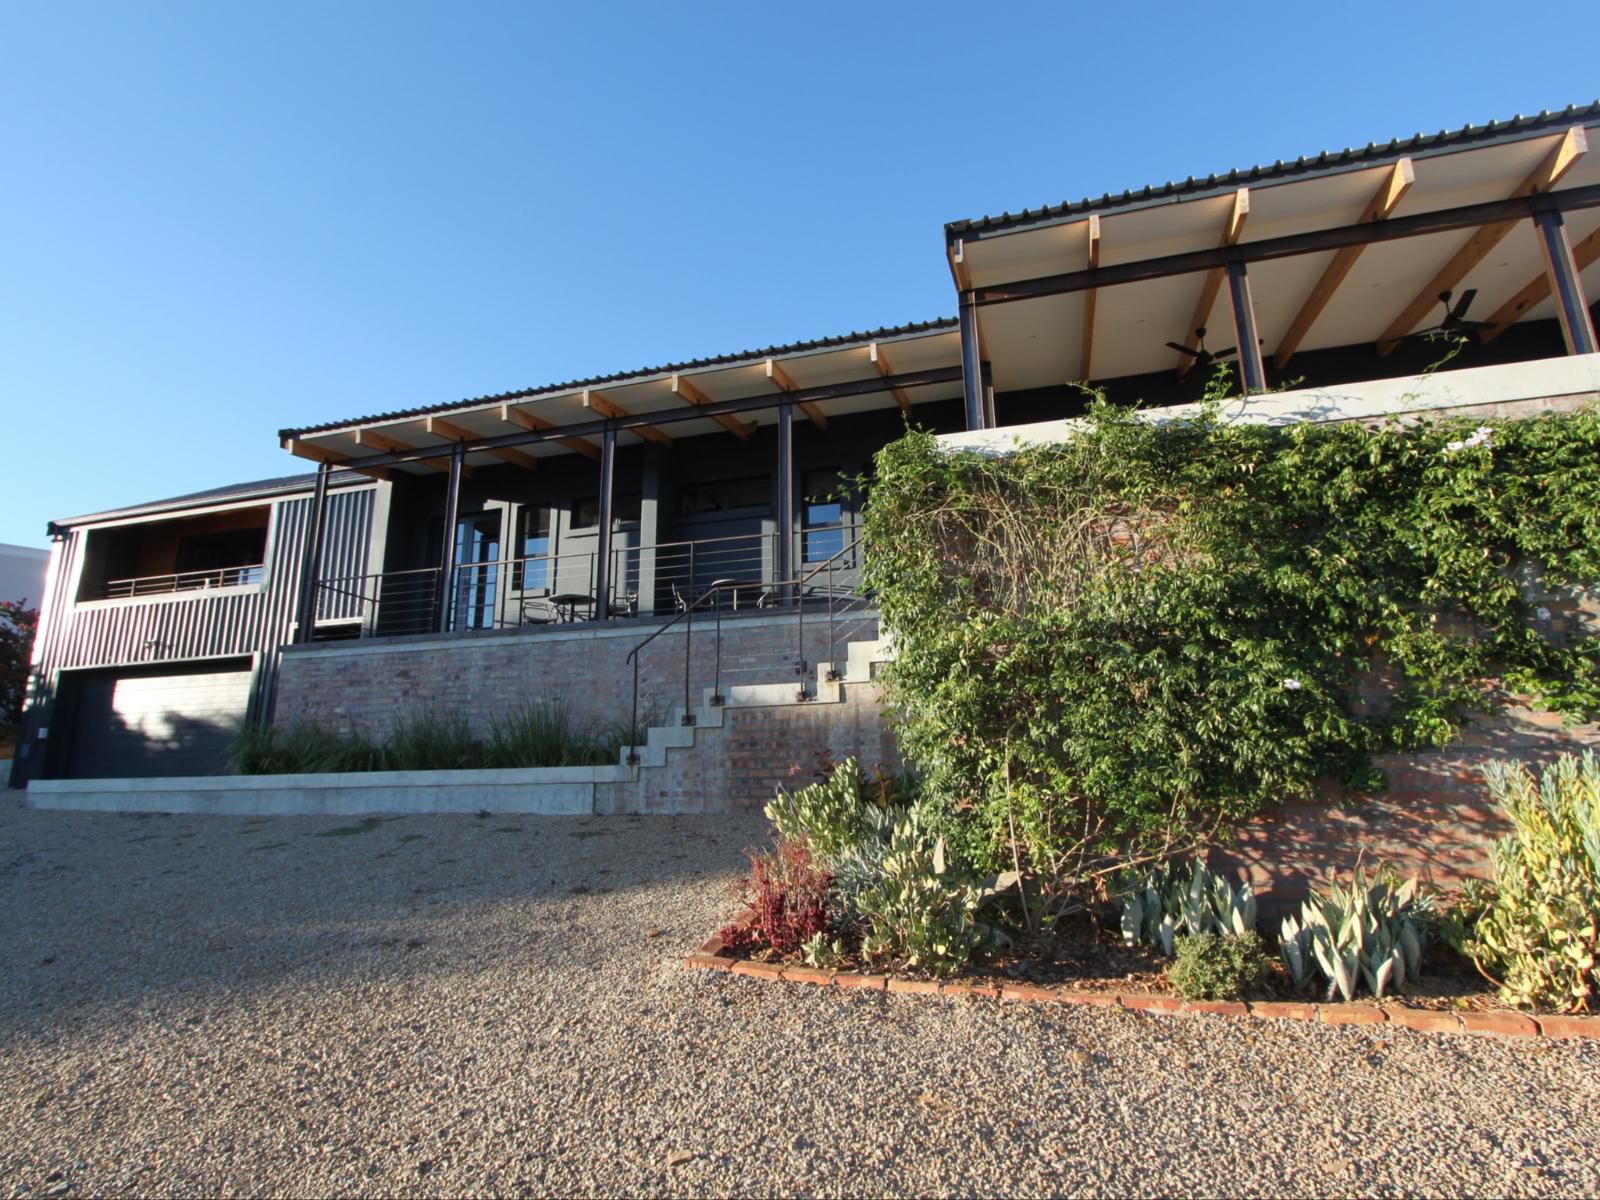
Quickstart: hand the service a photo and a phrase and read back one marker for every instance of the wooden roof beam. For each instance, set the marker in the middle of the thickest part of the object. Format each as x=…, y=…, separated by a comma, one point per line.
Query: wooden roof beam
x=881, y=363
x=607, y=407
x=1572, y=146
x=1086, y=352
x=780, y=379
x=328, y=454
x=513, y=415
x=382, y=443
x=683, y=387
x=1212, y=287
x=1384, y=201
x=452, y=432
x=1584, y=254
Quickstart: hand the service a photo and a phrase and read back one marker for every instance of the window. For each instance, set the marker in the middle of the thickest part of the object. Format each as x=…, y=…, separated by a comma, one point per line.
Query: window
x=624, y=509
x=695, y=499
x=221, y=549
x=823, y=517
x=533, y=573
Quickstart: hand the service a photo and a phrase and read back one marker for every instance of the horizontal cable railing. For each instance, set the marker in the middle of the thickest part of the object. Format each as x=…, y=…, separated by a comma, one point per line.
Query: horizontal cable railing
x=183, y=581
x=657, y=579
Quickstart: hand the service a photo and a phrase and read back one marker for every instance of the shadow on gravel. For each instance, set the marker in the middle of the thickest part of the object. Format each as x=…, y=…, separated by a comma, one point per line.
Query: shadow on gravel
x=135, y=908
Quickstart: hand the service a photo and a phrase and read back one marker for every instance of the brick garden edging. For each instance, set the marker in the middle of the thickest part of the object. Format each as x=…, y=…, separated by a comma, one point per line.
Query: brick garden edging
x=1499, y=1023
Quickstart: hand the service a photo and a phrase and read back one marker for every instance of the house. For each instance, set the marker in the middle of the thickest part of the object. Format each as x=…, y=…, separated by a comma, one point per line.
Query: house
x=22, y=571
x=535, y=542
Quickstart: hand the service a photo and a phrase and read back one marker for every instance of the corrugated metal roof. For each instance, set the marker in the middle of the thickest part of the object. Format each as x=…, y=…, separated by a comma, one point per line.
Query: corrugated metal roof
x=824, y=343
x=256, y=489
x=1326, y=162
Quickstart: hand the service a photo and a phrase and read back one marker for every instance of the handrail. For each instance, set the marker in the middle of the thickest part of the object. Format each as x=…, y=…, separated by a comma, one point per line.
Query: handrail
x=714, y=590
x=243, y=575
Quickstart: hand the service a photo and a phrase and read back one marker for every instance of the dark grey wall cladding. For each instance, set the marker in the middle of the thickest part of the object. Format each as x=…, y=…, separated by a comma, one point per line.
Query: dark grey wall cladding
x=252, y=624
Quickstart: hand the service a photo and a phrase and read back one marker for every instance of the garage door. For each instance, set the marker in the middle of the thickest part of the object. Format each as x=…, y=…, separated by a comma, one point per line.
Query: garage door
x=156, y=721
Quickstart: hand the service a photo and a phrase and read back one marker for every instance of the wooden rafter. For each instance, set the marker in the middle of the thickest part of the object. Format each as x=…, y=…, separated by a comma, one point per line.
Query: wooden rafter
x=516, y=416
x=880, y=361
x=1584, y=254
x=452, y=432
x=607, y=407
x=1572, y=146
x=382, y=443
x=1384, y=201
x=1086, y=353
x=327, y=454
x=1215, y=278
x=780, y=380
x=685, y=388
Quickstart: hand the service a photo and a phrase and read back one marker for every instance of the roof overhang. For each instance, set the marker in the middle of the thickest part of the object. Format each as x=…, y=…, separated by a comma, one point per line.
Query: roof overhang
x=882, y=370
x=1354, y=252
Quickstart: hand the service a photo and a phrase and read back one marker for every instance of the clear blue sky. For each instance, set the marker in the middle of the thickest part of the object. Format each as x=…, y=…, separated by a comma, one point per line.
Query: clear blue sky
x=217, y=220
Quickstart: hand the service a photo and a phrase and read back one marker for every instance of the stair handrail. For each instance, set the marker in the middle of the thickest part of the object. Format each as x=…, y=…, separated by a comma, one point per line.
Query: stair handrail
x=715, y=589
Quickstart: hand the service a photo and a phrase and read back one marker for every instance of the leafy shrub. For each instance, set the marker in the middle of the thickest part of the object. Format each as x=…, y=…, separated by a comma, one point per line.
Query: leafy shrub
x=1171, y=900
x=1369, y=931
x=789, y=895
x=846, y=820
x=1216, y=966
x=1456, y=923
x=924, y=911
x=18, y=624
x=1148, y=630
x=1541, y=932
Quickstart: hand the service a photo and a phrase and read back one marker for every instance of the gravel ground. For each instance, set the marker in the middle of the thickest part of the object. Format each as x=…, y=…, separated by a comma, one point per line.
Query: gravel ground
x=450, y=1005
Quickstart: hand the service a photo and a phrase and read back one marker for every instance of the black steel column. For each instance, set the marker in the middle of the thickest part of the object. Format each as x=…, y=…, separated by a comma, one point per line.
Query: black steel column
x=447, y=552
x=1244, y=327
x=1566, y=285
x=986, y=372
x=305, y=612
x=602, y=545
x=971, y=370
x=783, y=567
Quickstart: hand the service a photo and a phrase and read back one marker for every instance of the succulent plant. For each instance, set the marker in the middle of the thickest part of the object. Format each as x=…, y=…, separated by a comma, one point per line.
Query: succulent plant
x=1173, y=900
x=1368, y=931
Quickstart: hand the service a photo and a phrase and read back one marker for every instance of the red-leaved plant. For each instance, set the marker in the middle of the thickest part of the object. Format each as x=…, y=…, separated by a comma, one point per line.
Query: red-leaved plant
x=789, y=896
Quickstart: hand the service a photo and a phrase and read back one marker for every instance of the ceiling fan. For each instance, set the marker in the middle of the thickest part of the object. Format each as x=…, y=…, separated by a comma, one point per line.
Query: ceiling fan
x=1455, y=319
x=1203, y=358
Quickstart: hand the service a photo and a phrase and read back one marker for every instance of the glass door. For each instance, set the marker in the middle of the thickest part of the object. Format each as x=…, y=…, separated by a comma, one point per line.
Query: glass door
x=477, y=571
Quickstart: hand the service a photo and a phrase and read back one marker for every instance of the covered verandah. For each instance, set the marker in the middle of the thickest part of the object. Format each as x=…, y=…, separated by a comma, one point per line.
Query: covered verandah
x=627, y=496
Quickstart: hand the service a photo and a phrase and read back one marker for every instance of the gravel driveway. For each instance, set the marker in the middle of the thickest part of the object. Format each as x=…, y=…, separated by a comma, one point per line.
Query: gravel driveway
x=445, y=1005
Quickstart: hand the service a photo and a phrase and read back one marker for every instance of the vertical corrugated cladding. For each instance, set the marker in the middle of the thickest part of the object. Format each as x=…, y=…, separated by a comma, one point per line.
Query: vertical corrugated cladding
x=190, y=625
x=346, y=536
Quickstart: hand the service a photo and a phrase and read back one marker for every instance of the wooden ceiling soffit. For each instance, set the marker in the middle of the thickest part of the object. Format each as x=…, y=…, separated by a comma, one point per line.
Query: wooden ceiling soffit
x=607, y=407
x=1584, y=254
x=1383, y=203
x=326, y=454
x=780, y=379
x=452, y=432
x=880, y=362
x=1212, y=287
x=1086, y=352
x=382, y=443
x=1572, y=146
x=513, y=415
x=686, y=389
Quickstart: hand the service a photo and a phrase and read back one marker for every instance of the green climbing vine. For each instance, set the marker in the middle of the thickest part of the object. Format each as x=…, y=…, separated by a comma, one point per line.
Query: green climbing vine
x=1152, y=629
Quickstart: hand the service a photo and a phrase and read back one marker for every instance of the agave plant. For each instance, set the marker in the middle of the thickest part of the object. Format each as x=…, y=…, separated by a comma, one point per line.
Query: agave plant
x=1368, y=931
x=1173, y=900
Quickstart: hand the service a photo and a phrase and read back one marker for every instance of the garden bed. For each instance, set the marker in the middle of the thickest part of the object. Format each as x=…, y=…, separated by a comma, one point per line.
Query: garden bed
x=1083, y=969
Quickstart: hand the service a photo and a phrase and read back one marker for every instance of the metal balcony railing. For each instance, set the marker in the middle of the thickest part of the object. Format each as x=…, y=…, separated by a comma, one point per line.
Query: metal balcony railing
x=651, y=580
x=184, y=581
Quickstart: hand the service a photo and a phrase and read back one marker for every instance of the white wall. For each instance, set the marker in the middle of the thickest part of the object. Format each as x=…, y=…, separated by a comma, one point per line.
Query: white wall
x=22, y=570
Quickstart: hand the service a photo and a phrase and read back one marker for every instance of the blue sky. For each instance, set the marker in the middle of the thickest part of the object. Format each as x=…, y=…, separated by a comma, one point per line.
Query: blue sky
x=218, y=220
